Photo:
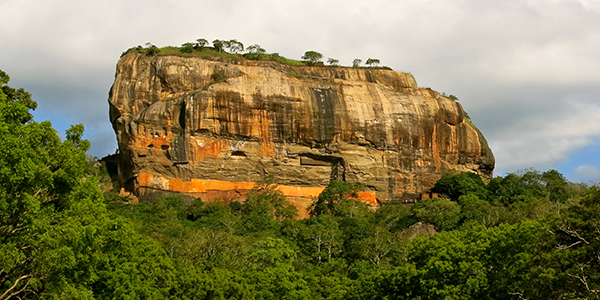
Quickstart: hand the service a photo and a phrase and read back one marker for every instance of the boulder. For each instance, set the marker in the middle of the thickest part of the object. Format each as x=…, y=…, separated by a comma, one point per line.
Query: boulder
x=210, y=128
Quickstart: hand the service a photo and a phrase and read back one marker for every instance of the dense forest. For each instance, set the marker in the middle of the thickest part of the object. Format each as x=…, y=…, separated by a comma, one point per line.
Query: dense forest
x=64, y=234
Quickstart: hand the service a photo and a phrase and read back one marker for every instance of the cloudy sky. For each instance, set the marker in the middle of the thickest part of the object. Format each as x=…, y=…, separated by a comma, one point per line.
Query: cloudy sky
x=526, y=71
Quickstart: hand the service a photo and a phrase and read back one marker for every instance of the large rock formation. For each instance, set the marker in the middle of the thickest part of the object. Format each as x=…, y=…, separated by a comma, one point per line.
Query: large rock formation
x=209, y=128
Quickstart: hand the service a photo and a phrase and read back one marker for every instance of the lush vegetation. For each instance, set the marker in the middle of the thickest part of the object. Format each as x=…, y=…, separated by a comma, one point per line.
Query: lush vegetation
x=528, y=235
x=234, y=49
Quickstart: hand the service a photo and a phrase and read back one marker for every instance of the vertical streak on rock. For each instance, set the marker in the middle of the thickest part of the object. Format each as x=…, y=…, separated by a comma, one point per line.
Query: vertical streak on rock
x=390, y=134
x=266, y=142
x=436, y=151
x=179, y=154
x=324, y=114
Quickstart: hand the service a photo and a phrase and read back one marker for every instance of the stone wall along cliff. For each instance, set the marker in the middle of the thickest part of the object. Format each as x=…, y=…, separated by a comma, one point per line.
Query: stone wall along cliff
x=182, y=123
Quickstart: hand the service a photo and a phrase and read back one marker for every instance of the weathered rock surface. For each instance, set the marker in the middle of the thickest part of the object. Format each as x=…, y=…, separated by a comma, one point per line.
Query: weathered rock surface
x=179, y=129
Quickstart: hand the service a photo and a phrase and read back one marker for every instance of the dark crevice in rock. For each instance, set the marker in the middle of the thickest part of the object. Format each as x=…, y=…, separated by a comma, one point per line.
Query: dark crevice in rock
x=179, y=149
x=338, y=165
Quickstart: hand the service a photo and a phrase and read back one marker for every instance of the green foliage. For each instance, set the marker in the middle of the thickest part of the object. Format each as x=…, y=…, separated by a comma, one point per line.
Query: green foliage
x=372, y=62
x=333, y=61
x=187, y=47
x=556, y=186
x=56, y=238
x=356, y=63
x=335, y=200
x=572, y=269
x=74, y=134
x=312, y=57
x=395, y=217
x=265, y=206
x=151, y=49
x=272, y=253
x=322, y=238
x=234, y=46
x=255, y=49
x=456, y=185
x=443, y=214
x=200, y=43
x=529, y=235
x=200, y=49
x=273, y=57
x=450, y=96
x=474, y=263
x=218, y=44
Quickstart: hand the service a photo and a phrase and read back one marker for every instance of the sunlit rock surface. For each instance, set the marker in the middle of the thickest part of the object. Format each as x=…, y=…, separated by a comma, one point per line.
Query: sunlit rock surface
x=209, y=129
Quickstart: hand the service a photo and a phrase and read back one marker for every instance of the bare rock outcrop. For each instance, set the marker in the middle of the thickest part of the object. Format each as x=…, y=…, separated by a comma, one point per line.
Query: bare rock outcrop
x=198, y=126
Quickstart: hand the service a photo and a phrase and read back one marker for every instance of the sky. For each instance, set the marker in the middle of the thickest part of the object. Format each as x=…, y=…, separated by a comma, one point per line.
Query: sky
x=526, y=71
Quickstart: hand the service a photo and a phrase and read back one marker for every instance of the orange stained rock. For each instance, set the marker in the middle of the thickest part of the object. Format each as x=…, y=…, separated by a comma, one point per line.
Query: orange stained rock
x=152, y=143
x=152, y=138
x=207, y=148
x=144, y=179
x=176, y=185
x=147, y=180
x=202, y=185
x=368, y=198
x=266, y=147
x=300, y=191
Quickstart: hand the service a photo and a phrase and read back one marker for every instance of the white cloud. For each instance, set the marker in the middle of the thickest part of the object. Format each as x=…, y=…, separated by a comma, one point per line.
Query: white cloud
x=545, y=140
x=526, y=70
x=588, y=174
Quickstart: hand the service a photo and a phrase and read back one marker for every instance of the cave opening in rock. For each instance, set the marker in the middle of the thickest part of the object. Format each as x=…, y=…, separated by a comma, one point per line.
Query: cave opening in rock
x=238, y=153
x=337, y=164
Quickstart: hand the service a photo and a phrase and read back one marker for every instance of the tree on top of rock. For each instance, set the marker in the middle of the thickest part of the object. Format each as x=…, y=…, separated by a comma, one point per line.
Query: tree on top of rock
x=200, y=43
x=256, y=48
x=218, y=45
x=312, y=57
x=373, y=62
x=234, y=46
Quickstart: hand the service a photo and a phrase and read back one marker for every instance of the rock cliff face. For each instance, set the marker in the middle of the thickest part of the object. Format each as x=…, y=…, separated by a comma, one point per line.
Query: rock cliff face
x=209, y=128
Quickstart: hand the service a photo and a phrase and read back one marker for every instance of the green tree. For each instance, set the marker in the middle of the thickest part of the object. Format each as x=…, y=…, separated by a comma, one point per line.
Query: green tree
x=451, y=97
x=187, y=47
x=200, y=43
x=443, y=214
x=455, y=185
x=74, y=135
x=334, y=199
x=557, y=186
x=575, y=251
x=274, y=276
x=265, y=198
x=322, y=238
x=312, y=57
x=333, y=61
x=218, y=45
x=471, y=263
x=256, y=49
x=372, y=61
x=395, y=217
x=151, y=49
x=379, y=245
x=56, y=238
x=234, y=46
x=356, y=63
x=264, y=207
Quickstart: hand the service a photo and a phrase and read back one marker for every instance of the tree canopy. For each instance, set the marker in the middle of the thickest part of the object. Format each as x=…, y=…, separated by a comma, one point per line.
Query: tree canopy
x=56, y=238
x=527, y=235
x=372, y=62
x=312, y=57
